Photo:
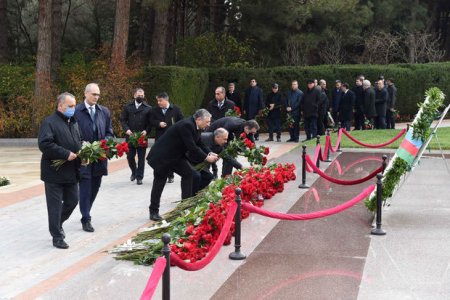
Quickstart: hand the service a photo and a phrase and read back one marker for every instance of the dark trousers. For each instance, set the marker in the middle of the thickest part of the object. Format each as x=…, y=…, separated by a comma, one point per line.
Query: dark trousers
x=294, y=132
x=200, y=180
x=390, y=119
x=380, y=122
x=346, y=125
x=182, y=168
x=62, y=198
x=138, y=171
x=274, y=126
x=311, y=127
x=227, y=168
x=321, y=125
x=359, y=120
x=89, y=186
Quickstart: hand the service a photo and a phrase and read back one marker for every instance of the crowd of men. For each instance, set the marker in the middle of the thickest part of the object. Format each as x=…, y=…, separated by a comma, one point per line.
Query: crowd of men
x=182, y=143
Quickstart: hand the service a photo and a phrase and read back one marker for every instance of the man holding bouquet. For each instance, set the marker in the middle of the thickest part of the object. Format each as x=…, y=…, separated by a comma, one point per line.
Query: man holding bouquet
x=136, y=124
x=95, y=124
x=59, y=138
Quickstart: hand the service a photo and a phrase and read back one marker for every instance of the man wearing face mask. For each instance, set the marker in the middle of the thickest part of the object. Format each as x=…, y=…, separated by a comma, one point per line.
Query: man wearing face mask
x=59, y=138
x=135, y=118
x=95, y=124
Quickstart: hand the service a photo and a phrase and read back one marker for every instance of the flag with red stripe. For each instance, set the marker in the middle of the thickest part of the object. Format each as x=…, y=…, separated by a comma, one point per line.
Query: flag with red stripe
x=409, y=147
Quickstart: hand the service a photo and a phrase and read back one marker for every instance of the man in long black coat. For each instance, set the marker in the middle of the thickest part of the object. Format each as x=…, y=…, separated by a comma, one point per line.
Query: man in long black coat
x=390, y=109
x=169, y=155
x=59, y=138
x=95, y=124
x=369, y=102
x=135, y=118
x=310, y=108
x=359, y=104
x=220, y=104
x=162, y=117
x=381, y=100
x=274, y=102
x=346, y=107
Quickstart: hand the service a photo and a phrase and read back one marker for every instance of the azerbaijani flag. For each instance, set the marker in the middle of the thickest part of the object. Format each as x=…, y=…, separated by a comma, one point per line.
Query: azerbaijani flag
x=409, y=147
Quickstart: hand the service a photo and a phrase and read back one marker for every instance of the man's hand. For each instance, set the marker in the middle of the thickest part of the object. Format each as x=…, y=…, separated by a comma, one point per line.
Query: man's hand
x=72, y=156
x=289, y=108
x=162, y=124
x=271, y=106
x=212, y=157
x=128, y=132
x=144, y=132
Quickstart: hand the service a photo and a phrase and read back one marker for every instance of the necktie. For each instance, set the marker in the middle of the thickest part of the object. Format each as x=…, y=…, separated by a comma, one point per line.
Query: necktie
x=220, y=105
x=92, y=114
x=164, y=111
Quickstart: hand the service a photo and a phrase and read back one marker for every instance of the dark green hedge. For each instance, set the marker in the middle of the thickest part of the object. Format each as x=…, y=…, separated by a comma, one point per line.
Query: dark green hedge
x=186, y=86
x=192, y=88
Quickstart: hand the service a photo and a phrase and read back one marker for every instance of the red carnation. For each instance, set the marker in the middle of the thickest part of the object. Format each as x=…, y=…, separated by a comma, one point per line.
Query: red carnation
x=243, y=135
x=266, y=150
x=264, y=161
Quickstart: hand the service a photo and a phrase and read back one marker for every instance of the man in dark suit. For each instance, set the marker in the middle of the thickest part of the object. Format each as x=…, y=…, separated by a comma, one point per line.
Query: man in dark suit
x=95, y=124
x=253, y=102
x=163, y=117
x=390, y=109
x=219, y=105
x=135, y=118
x=233, y=95
x=381, y=100
x=235, y=126
x=359, y=103
x=169, y=155
x=215, y=141
x=59, y=138
x=346, y=107
x=369, y=102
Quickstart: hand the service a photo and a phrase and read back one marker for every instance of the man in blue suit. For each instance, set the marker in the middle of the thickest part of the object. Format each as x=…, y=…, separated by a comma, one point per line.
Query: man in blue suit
x=94, y=121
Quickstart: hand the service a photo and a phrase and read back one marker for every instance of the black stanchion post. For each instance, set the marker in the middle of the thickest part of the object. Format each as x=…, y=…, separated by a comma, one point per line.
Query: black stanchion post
x=377, y=230
x=166, y=275
x=303, y=185
x=329, y=145
x=407, y=127
x=318, y=157
x=237, y=254
x=384, y=164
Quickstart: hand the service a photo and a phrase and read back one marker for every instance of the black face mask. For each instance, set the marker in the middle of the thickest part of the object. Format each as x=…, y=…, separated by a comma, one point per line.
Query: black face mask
x=139, y=99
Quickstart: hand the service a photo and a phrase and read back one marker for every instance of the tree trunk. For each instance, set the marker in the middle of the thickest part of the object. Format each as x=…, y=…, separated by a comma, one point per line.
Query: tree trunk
x=44, y=51
x=159, y=38
x=199, y=17
x=3, y=32
x=57, y=27
x=120, y=40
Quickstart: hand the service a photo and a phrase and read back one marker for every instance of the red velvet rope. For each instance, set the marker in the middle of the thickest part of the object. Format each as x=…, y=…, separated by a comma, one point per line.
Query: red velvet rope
x=402, y=132
x=317, y=155
x=339, y=181
x=318, y=214
x=338, y=142
x=176, y=260
x=152, y=283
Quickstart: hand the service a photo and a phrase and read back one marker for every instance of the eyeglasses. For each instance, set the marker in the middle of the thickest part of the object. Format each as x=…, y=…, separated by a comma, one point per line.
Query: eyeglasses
x=95, y=94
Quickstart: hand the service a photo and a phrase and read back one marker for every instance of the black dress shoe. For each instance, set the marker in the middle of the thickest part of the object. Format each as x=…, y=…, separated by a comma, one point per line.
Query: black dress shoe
x=269, y=140
x=139, y=182
x=88, y=227
x=289, y=140
x=155, y=217
x=170, y=180
x=278, y=140
x=132, y=177
x=60, y=244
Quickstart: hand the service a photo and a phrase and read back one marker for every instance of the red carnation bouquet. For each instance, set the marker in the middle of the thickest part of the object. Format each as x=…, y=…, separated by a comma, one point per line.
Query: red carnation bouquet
x=235, y=112
x=97, y=151
x=138, y=140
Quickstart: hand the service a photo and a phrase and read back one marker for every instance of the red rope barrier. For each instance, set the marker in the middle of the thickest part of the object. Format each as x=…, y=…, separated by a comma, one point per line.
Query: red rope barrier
x=319, y=214
x=317, y=155
x=402, y=132
x=177, y=261
x=335, y=148
x=339, y=181
x=152, y=283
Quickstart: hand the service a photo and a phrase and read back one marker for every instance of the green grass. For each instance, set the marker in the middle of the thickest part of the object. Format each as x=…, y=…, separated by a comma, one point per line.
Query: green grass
x=381, y=136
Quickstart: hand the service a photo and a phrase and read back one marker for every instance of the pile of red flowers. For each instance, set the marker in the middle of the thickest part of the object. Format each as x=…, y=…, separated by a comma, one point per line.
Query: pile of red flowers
x=257, y=184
